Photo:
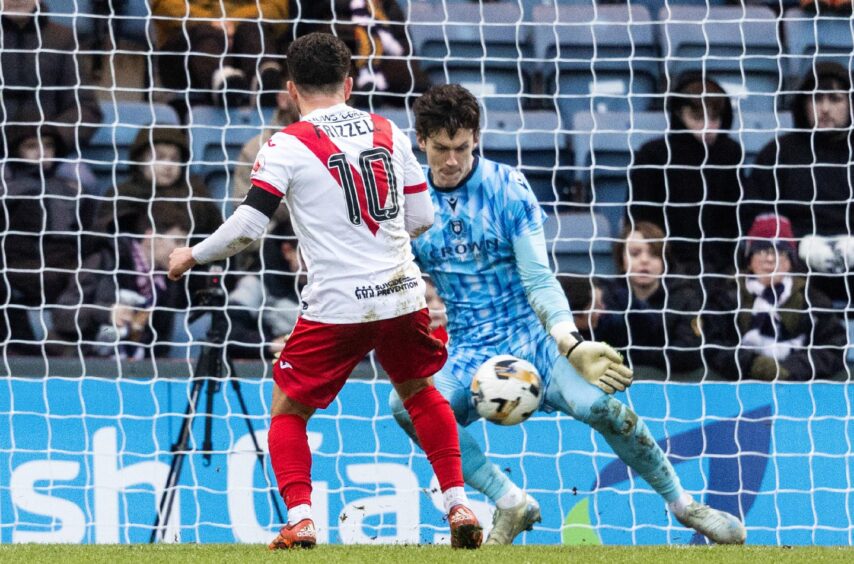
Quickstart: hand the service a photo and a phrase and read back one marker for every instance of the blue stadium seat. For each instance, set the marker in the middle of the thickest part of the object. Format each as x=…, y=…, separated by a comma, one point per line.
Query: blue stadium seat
x=216, y=137
x=604, y=146
x=532, y=142
x=76, y=14
x=811, y=38
x=581, y=242
x=133, y=21
x=107, y=152
x=481, y=47
x=738, y=46
x=602, y=59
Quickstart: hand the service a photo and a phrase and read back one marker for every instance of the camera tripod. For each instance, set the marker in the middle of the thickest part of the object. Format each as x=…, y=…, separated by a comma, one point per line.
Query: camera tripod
x=208, y=371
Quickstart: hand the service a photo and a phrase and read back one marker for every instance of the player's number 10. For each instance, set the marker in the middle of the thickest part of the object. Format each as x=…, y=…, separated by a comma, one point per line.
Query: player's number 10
x=372, y=184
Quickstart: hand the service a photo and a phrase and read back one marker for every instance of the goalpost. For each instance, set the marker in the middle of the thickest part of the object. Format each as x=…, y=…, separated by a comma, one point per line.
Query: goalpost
x=570, y=91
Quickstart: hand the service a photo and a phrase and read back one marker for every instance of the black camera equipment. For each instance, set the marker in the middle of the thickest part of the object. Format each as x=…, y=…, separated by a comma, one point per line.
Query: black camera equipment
x=209, y=370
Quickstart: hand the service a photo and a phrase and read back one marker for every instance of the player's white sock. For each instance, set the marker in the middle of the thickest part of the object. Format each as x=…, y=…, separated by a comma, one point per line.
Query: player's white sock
x=298, y=513
x=454, y=496
x=679, y=506
x=513, y=498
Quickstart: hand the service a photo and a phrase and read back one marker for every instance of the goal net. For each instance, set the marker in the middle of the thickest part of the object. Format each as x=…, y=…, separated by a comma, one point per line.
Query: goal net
x=662, y=129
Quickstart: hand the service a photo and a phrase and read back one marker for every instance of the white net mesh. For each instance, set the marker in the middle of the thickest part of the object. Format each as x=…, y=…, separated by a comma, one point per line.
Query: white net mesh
x=127, y=124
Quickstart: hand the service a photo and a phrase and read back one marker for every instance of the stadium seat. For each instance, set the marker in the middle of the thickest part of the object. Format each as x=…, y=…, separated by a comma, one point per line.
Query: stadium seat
x=532, y=142
x=76, y=14
x=737, y=46
x=107, y=152
x=581, y=242
x=216, y=137
x=133, y=21
x=811, y=38
x=481, y=47
x=604, y=147
x=597, y=59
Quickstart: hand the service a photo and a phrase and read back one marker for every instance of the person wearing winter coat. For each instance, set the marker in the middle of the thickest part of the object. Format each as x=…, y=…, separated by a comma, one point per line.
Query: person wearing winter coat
x=806, y=175
x=687, y=182
x=42, y=69
x=768, y=323
x=120, y=300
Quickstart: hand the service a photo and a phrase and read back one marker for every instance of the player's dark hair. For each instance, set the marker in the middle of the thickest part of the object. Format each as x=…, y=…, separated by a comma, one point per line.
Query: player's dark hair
x=318, y=63
x=652, y=235
x=448, y=107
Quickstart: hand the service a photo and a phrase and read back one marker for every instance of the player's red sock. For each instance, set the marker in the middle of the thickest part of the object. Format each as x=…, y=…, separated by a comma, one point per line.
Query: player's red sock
x=291, y=458
x=437, y=432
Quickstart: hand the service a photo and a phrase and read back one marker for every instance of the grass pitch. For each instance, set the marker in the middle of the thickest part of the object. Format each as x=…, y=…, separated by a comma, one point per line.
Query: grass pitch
x=244, y=554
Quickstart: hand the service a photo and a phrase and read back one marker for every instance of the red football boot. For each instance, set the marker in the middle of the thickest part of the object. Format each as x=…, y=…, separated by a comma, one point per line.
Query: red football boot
x=466, y=531
x=301, y=535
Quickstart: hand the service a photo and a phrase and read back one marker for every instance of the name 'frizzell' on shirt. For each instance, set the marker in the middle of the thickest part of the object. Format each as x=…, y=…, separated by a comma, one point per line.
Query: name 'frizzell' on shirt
x=345, y=175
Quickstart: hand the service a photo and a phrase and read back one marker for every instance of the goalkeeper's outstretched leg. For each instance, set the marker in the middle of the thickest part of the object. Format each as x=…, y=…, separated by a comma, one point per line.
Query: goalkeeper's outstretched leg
x=627, y=434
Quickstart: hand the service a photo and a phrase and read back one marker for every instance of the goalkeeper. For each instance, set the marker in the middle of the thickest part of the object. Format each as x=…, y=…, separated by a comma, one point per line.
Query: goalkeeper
x=486, y=253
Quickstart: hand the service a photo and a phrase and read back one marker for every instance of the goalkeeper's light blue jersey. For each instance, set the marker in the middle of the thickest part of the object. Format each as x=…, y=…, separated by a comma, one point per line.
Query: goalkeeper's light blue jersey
x=469, y=254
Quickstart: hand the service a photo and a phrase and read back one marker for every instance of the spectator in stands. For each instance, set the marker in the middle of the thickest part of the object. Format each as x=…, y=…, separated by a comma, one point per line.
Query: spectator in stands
x=210, y=47
x=121, y=298
x=159, y=173
x=651, y=318
x=264, y=306
x=687, y=181
x=42, y=72
x=767, y=324
x=43, y=220
x=585, y=301
x=806, y=175
x=374, y=30
x=286, y=113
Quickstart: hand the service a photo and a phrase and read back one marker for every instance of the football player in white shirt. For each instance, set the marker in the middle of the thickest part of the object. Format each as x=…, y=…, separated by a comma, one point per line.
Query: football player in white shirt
x=356, y=194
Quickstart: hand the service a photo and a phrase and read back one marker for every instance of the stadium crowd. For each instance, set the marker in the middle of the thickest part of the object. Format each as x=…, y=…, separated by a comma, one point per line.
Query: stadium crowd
x=724, y=268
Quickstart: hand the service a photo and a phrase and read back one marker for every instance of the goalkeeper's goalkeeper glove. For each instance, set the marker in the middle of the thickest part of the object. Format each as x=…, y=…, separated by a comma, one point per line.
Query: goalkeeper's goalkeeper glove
x=598, y=363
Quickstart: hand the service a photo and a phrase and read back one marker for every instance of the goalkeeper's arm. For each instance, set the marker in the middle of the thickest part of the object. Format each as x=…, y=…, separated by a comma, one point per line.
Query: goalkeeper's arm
x=598, y=363
x=247, y=223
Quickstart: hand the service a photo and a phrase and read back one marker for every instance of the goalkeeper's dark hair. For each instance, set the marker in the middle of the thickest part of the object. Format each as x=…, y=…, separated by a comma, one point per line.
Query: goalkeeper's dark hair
x=448, y=107
x=318, y=63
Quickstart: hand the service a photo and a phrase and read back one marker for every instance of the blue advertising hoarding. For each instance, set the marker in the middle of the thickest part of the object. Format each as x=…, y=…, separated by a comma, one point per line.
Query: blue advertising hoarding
x=84, y=461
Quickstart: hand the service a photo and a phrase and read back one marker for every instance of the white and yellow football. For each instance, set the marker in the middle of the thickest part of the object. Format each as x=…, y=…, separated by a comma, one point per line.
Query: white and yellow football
x=506, y=390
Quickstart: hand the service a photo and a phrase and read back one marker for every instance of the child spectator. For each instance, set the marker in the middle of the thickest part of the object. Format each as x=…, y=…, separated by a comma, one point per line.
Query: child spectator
x=768, y=323
x=121, y=299
x=652, y=319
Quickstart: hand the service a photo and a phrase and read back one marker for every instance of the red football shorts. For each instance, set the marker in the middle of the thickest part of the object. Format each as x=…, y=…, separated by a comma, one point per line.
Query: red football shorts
x=319, y=357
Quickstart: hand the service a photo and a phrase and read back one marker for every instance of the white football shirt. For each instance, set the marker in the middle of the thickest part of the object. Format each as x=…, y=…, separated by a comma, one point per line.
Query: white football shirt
x=344, y=174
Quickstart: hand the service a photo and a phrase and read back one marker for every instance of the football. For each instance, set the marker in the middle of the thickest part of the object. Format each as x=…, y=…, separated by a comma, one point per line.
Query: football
x=506, y=390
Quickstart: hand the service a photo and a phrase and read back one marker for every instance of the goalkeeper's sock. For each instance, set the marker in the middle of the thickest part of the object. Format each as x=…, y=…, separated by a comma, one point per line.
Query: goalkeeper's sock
x=291, y=459
x=513, y=498
x=437, y=433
